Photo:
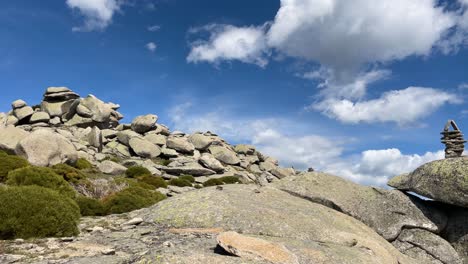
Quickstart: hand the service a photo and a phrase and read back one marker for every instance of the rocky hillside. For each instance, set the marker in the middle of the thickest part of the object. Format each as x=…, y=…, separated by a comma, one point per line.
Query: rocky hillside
x=277, y=216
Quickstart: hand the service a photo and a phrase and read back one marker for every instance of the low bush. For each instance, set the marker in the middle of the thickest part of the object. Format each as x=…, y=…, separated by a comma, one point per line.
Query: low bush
x=156, y=182
x=44, y=177
x=230, y=180
x=83, y=164
x=9, y=163
x=161, y=161
x=198, y=186
x=213, y=182
x=180, y=182
x=188, y=178
x=130, y=199
x=137, y=171
x=69, y=173
x=90, y=207
x=36, y=212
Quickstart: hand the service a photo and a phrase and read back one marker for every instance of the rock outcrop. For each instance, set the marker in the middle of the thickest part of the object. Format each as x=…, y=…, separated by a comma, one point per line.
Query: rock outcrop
x=442, y=180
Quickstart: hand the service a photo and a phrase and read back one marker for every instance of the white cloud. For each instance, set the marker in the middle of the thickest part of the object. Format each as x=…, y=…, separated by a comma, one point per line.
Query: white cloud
x=97, y=13
x=463, y=86
x=376, y=167
x=154, y=28
x=151, y=46
x=402, y=106
x=246, y=44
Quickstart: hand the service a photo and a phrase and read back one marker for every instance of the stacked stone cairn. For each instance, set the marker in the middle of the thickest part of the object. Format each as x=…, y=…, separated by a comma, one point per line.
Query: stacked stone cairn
x=89, y=128
x=453, y=140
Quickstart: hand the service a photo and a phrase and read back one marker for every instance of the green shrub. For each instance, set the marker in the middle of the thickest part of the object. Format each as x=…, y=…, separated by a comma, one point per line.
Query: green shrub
x=230, y=180
x=44, y=177
x=198, y=186
x=188, y=178
x=133, y=183
x=9, y=163
x=130, y=199
x=36, y=212
x=213, y=182
x=83, y=164
x=155, y=181
x=180, y=182
x=90, y=206
x=69, y=173
x=137, y=171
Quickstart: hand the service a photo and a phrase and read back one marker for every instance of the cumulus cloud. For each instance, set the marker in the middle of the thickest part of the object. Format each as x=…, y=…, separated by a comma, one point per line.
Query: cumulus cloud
x=301, y=151
x=151, y=46
x=226, y=42
x=97, y=13
x=401, y=106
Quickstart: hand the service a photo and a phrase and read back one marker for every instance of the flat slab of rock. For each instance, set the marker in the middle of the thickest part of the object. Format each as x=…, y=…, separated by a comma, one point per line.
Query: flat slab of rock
x=144, y=148
x=251, y=248
x=9, y=138
x=442, y=180
x=111, y=168
x=309, y=230
x=189, y=170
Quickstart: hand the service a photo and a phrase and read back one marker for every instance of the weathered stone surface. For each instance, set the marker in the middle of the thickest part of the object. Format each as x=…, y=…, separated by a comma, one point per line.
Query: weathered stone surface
x=427, y=247
x=162, y=129
x=180, y=144
x=56, y=109
x=143, y=124
x=456, y=231
x=83, y=111
x=210, y=162
x=224, y=155
x=442, y=180
x=194, y=170
x=101, y=111
x=245, y=149
x=251, y=248
x=267, y=166
x=46, y=148
x=309, y=230
x=156, y=139
x=200, y=141
x=38, y=117
x=111, y=168
x=144, y=148
x=387, y=212
x=52, y=90
x=9, y=138
x=125, y=136
x=95, y=138
x=18, y=104
x=281, y=173
x=23, y=112
x=11, y=120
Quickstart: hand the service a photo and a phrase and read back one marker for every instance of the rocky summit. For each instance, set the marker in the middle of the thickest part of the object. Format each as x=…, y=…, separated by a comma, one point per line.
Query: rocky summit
x=141, y=193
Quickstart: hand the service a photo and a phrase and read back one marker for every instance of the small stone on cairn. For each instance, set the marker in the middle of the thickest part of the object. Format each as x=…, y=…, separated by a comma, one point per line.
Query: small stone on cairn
x=453, y=140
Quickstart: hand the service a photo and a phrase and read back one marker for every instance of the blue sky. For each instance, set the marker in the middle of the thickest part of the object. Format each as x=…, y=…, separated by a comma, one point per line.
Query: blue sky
x=361, y=90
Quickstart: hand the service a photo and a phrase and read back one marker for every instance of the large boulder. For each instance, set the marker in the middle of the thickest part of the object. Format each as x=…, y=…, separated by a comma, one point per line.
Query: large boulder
x=200, y=141
x=125, y=136
x=101, y=111
x=9, y=138
x=386, y=211
x=210, y=162
x=426, y=247
x=224, y=155
x=312, y=232
x=181, y=144
x=46, y=148
x=442, y=180
x=111, y=168
x=23, y=112
x=38, y=117
x=144, y=148
x=57, y=109
x=156, y=139
x=143, y=124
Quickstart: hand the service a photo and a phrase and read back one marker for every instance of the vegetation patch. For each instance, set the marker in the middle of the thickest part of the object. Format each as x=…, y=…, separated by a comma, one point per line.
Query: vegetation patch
x=69, y=173
x=180, y=182
x=188, y=178
x=9, y=163
x=137, y=171
x=36, y=212
x=130, y=199
x=90, y=207
x=213, y=182
x=161, y=161
x=155, y=181
x=83, y=164
x=230, y=180
x=39, y=176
